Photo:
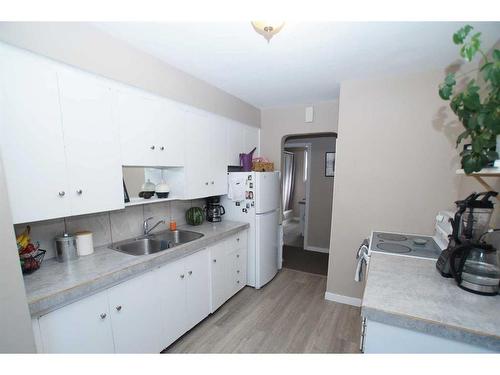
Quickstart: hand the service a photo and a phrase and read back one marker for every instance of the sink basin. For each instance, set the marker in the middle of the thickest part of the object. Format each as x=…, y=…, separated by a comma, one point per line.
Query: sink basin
x=156, y=242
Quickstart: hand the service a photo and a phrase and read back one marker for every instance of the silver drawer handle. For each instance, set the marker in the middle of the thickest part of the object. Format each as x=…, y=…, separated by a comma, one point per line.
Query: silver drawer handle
x=182, y=276
x=162, y=148
x=61, y=193
x=152, y=147
x=79, y=191
x=118, y=308
x=103, y=315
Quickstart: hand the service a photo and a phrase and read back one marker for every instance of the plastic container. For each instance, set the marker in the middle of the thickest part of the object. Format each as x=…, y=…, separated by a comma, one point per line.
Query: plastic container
x=84, y=243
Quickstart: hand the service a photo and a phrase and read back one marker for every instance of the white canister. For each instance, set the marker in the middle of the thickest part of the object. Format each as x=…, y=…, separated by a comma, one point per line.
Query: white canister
x=84, y=243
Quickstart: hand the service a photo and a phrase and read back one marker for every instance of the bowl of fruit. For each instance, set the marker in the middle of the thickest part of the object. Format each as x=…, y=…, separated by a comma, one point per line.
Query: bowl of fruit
x=30, y=254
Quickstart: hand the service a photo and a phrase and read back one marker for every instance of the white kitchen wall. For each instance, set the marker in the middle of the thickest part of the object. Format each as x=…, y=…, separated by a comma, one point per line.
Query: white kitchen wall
x=112, y=226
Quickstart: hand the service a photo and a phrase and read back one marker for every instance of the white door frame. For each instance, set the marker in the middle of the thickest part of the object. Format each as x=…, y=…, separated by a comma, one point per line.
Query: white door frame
x=308, y=146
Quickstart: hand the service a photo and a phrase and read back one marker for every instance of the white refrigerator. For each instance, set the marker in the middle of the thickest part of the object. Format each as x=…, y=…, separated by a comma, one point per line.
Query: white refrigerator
x=254, y=198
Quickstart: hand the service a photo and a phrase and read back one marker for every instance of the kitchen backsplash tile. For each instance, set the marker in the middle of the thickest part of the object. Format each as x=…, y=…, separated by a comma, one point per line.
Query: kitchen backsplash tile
x=178, y=211
x=126, y=223
x=158, y=211
x=110, y=226
x=98, y=224
x=44, y=232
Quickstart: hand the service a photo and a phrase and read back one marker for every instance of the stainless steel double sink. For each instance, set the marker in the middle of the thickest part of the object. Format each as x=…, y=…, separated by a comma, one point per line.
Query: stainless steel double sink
x=153, y=243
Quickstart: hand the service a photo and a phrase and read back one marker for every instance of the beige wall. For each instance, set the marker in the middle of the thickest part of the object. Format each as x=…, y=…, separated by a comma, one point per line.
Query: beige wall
x=88, y=48
x=395, y=165
x=281, y=121
x=15, y=324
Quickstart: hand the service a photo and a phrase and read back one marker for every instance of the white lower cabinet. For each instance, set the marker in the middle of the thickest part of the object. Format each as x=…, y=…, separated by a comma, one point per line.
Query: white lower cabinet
x=380, y=338
x=228, y=262
x=136, y=316
x=81, y=327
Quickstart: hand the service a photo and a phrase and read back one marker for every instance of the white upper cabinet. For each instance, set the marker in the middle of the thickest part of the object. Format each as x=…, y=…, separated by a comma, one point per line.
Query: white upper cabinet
x=170, y=133
x=151, y=129
x=235, y=142
x=31, y=138
x=136, y=114
x=91, y=146
x=252, y=139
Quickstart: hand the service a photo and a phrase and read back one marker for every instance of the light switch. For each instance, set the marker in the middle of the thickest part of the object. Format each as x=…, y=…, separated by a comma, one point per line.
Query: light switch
x=309, y=114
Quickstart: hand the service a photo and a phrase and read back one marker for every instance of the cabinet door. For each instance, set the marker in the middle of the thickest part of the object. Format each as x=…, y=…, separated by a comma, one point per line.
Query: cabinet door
x=235, y=142
x=31, y=139
x=81, y=327
x=171, y=284
x=198, y=155
x=136, y=114
x=170, y=133
x=136, y=315
x=218, y=157
x=252, y=139
x=92, y=144
x=219, y=275
x=198, y=287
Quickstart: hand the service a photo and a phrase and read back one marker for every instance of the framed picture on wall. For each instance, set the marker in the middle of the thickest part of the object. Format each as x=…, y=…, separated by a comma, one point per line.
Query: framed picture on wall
x=329, y=164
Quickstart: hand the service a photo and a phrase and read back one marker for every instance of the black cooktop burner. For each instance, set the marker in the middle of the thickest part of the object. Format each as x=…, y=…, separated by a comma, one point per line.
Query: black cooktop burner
x=393, y=247
x=392, y=237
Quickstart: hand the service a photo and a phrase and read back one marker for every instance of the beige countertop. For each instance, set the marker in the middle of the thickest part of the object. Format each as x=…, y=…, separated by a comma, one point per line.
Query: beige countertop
x=57, y=284
x=410, y=293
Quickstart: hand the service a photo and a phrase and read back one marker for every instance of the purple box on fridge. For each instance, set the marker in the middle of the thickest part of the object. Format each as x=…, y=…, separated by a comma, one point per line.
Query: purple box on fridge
x=246, y=160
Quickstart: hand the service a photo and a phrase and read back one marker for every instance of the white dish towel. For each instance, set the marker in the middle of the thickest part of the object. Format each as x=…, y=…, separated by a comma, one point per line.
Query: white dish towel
x=236, y=188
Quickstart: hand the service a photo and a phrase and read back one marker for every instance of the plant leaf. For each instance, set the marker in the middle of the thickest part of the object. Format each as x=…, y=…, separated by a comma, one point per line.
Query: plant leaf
x=462, y=136
x=445, y=91
x=496, y=55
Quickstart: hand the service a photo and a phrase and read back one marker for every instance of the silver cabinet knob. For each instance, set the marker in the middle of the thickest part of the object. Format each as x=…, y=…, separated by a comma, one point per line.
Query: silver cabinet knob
x=190, y=273
x=62, y=193
x=182, y=276
x=152, y=147
x=162, y=148
x=238, y=271
x=237, y=282
x=237, y=255
x=212, y=182
x=119, y=308
x=103, y=315
x=215, y=260
x=79, y=191
x=238, y=239
x=206, y=183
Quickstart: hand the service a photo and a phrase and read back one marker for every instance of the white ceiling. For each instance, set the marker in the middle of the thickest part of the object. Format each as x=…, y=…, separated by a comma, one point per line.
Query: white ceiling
x=304, y=63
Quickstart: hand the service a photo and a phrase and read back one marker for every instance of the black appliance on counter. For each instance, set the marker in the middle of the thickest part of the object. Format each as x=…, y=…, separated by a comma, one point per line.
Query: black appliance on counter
x=473, y=263
x=214, y=210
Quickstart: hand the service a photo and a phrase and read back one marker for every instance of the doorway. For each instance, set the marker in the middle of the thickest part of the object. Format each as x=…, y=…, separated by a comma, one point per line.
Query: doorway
x=307, y=193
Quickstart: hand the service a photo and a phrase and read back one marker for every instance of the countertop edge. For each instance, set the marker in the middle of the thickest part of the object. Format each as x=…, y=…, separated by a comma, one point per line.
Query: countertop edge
x=432, y=328
x=46, y=304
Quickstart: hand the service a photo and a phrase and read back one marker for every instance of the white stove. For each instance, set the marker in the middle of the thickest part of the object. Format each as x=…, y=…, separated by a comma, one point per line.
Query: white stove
x=405, y=244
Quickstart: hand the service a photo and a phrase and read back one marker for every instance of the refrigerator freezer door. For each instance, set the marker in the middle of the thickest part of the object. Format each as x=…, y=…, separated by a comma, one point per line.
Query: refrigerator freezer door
x=267, y=192
x=266, y=247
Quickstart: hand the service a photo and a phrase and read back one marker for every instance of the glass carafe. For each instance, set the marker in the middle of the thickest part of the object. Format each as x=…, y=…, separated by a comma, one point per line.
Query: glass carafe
x=482, y=267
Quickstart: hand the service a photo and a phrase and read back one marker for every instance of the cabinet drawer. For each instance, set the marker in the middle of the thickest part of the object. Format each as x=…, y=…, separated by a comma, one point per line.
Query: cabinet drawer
x=238, y=240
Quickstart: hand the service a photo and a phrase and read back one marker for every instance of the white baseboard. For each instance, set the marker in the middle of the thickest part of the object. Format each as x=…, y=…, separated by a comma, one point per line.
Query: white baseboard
x=317, y=249
x=346, y=300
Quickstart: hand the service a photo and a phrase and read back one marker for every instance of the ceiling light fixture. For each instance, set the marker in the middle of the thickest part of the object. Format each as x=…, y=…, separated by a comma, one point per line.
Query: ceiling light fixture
x=268, y=29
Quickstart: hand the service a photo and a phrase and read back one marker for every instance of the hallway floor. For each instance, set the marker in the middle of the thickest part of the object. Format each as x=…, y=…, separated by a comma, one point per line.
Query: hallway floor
x=289, y=315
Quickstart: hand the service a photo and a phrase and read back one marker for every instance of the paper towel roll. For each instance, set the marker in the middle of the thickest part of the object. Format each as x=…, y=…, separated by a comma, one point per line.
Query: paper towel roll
x=84, y=243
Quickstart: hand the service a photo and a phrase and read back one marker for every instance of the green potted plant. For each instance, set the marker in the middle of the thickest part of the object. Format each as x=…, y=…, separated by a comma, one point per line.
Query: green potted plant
x=477, y=105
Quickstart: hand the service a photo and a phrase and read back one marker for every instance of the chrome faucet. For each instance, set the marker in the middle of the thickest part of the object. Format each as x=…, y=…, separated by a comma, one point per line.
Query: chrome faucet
x=145, y=225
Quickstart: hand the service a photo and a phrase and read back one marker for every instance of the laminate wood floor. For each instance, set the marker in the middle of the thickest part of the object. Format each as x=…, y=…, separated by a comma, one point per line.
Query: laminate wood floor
x=289, y=315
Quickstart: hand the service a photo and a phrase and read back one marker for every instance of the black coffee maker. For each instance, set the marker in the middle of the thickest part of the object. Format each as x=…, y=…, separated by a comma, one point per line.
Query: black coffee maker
x=470, y=223
x=214, y=210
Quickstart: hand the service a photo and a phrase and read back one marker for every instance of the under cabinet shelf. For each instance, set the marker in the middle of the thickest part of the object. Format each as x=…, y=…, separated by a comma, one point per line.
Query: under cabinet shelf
x=138, y=201
x=485, y=172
